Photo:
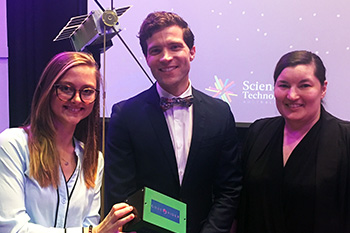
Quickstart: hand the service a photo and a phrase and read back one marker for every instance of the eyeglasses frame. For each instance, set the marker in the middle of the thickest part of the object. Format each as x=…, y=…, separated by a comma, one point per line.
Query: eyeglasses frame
x=57, y=85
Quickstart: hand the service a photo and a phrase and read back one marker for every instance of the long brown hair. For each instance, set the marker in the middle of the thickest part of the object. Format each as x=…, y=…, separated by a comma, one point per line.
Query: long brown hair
x=44, y=158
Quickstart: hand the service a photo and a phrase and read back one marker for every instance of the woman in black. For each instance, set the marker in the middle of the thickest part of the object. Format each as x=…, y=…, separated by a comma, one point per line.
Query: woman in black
x=296, y=166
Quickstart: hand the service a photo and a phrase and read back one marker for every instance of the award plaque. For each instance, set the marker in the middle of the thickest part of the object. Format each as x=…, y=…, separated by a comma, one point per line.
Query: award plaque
x=156, y=212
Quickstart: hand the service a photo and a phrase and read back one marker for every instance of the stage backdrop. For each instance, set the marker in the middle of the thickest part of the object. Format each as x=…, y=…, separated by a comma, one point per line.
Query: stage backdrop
x=238, y=44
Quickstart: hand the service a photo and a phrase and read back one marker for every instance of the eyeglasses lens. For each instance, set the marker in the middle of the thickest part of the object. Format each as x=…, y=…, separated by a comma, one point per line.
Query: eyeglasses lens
x=66, y=93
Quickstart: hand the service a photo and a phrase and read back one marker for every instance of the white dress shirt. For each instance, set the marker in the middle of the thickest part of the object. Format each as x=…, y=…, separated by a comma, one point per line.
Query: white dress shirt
x=27, y=207
x=180, y=122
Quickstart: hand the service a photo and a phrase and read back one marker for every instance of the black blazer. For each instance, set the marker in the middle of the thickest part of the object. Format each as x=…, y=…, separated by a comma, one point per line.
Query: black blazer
x=332, y=194
x=139, y=152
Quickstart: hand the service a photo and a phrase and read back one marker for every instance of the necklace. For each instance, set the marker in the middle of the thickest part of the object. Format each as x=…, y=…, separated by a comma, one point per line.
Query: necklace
x=65, y=162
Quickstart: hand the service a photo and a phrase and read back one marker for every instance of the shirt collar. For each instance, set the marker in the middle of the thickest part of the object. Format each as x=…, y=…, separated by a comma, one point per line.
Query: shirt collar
x=164, y=93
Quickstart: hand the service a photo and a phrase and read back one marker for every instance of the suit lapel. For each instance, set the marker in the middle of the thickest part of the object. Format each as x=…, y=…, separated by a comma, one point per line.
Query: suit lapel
x=160, y=128
x=197, y=131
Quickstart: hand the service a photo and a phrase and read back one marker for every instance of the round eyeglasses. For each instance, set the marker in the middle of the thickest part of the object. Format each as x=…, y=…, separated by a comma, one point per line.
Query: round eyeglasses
x=65, y=92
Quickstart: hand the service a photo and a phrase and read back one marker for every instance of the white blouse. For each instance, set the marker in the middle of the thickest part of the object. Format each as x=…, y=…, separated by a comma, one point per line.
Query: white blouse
x=27, y=207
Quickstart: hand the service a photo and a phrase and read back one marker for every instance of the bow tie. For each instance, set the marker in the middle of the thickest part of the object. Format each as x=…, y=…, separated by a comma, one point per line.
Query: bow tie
x=166, y=103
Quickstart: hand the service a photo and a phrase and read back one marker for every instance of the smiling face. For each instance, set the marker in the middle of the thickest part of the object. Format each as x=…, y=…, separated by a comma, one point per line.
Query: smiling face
x=70, y=113
x=169, y=59
x=298, y=94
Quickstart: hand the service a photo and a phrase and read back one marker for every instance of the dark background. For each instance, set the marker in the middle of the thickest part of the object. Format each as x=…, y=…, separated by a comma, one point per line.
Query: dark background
x=31, y=27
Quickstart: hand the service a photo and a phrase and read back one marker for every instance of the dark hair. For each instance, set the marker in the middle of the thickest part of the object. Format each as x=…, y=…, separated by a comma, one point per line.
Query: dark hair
x=301, y=57
x=157, y=21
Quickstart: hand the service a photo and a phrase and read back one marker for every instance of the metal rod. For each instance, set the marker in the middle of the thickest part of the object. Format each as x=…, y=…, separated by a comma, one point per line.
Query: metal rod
x=132, y=54
x=103, y=117
x=99, y=5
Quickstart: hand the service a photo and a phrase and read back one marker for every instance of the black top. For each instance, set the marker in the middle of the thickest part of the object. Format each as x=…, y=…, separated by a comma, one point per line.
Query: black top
x=288, y=199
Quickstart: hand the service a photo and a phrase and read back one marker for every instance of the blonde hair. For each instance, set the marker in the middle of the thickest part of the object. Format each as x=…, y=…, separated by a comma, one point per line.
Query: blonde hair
x=44, y=158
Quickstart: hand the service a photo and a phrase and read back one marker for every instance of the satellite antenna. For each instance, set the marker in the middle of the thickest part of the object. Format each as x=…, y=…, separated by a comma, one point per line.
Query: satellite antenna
x=93, y=33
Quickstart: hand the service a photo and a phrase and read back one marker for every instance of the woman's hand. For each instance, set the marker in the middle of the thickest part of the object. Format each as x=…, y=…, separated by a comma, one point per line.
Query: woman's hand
x=115, y=220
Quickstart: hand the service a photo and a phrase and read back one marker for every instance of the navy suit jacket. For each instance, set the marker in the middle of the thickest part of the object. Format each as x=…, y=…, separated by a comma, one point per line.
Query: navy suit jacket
x=139, y=153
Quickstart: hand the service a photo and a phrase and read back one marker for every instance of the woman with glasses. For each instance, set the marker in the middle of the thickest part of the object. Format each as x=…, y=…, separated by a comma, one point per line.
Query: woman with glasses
x=51, y=170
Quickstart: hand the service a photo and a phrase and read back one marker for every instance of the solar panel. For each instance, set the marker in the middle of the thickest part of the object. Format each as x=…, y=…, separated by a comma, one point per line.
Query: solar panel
x=71, y=27
x=85, y=30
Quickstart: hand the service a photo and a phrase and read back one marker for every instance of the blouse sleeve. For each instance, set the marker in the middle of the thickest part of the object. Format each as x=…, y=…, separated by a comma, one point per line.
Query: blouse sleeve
x=14, y=166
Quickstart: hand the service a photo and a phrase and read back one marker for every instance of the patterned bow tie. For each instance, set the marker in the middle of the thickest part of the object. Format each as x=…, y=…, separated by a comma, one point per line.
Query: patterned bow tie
x=166, y=103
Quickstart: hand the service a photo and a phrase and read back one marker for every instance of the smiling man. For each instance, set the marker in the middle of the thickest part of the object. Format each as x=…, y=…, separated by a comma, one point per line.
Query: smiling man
x=173, y=138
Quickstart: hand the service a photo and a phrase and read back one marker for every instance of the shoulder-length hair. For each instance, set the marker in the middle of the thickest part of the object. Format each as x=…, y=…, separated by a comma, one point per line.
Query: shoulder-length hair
x=44, y=158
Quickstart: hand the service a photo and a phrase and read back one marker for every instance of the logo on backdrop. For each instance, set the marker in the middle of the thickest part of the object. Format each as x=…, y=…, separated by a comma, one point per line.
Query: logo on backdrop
x=258, y=92
x=222, y=89
x=252, y=91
